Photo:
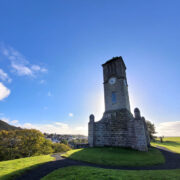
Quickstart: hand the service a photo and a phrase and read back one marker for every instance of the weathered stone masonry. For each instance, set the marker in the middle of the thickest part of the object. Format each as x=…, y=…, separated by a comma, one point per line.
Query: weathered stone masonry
x=118, y=127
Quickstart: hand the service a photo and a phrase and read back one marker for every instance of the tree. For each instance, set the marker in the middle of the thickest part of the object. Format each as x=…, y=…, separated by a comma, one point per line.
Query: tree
x=151, y=129
x=23, y=143
x=27, y=142
x=161, y=139
x=64, y=141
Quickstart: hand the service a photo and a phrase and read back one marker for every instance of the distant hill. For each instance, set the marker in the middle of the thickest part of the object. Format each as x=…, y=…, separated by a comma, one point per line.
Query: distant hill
x=6, y=126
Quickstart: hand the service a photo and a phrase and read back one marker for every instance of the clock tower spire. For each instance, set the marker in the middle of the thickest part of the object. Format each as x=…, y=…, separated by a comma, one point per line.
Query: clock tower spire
x=118, y=126
x=115, y=85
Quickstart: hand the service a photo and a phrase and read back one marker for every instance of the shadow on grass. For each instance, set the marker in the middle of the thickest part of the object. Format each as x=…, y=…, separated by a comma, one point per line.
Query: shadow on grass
x=36, y=172
x=117, y=156
x=15, y=174
x=169, y=143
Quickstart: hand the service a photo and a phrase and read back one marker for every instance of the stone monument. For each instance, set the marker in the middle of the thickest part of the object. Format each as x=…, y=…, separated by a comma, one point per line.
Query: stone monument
x=118, y=127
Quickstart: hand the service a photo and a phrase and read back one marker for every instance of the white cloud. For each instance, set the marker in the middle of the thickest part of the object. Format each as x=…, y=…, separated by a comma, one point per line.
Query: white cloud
x=4, y=76
x=8, y=120
x=28, y=126
x=71, y=114
x=14, y=121
x=5, y=119
x=38, y=68
x=19, y=63
x=44, y=70
x=62, y=125
x=163, y=129
x=21, y=69
x=35, y=68
x=58, y=128
x=4, y=91
x=168, y=129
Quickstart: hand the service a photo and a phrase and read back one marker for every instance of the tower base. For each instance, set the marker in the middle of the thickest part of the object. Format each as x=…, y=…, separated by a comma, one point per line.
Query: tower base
x=119, y=128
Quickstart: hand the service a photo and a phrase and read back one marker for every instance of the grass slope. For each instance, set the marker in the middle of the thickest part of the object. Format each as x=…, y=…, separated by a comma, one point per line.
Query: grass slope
x=12, y=168
x=116, y=156
x=91, y=173
x=171, y=143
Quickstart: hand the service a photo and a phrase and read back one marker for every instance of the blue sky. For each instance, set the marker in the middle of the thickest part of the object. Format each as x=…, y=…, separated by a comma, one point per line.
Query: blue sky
x=51, y=54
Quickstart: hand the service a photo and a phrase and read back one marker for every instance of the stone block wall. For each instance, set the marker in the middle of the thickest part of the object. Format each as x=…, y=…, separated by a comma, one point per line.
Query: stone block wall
x=118, y=128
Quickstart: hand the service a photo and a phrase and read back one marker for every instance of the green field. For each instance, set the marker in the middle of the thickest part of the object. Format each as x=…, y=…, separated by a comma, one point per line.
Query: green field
x=91, y=173
x=12, y=168
x=171, y=143
x=116, y=156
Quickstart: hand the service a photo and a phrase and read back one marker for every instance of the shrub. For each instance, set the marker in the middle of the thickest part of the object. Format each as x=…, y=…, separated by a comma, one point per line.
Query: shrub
x=59, y=147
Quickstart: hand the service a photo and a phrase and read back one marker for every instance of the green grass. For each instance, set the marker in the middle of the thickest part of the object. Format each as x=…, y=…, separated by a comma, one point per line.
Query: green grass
x=91, y=173
x=12, y=168
x=171, y=143
x=116, y=156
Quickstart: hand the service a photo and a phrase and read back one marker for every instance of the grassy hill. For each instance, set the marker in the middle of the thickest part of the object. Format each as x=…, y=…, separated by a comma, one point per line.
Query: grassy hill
x=92, y=173
x=116, y=156
x=171, y=143
x=13, y=168
x=6, y=126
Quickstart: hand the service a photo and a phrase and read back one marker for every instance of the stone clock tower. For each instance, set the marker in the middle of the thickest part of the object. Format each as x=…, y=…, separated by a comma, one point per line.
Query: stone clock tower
x=118, y=126
x=115, y=85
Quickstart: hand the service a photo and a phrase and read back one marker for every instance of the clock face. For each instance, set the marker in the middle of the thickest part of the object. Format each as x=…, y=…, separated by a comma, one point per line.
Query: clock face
x=112, y=80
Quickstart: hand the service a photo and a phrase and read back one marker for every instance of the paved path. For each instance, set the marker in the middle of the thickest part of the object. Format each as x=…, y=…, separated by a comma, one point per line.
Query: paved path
x=172, y=162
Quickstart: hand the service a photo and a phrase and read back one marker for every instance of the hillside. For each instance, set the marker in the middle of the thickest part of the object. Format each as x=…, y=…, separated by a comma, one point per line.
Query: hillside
x=171, y=143
x=6, y=126
x=13, y=168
